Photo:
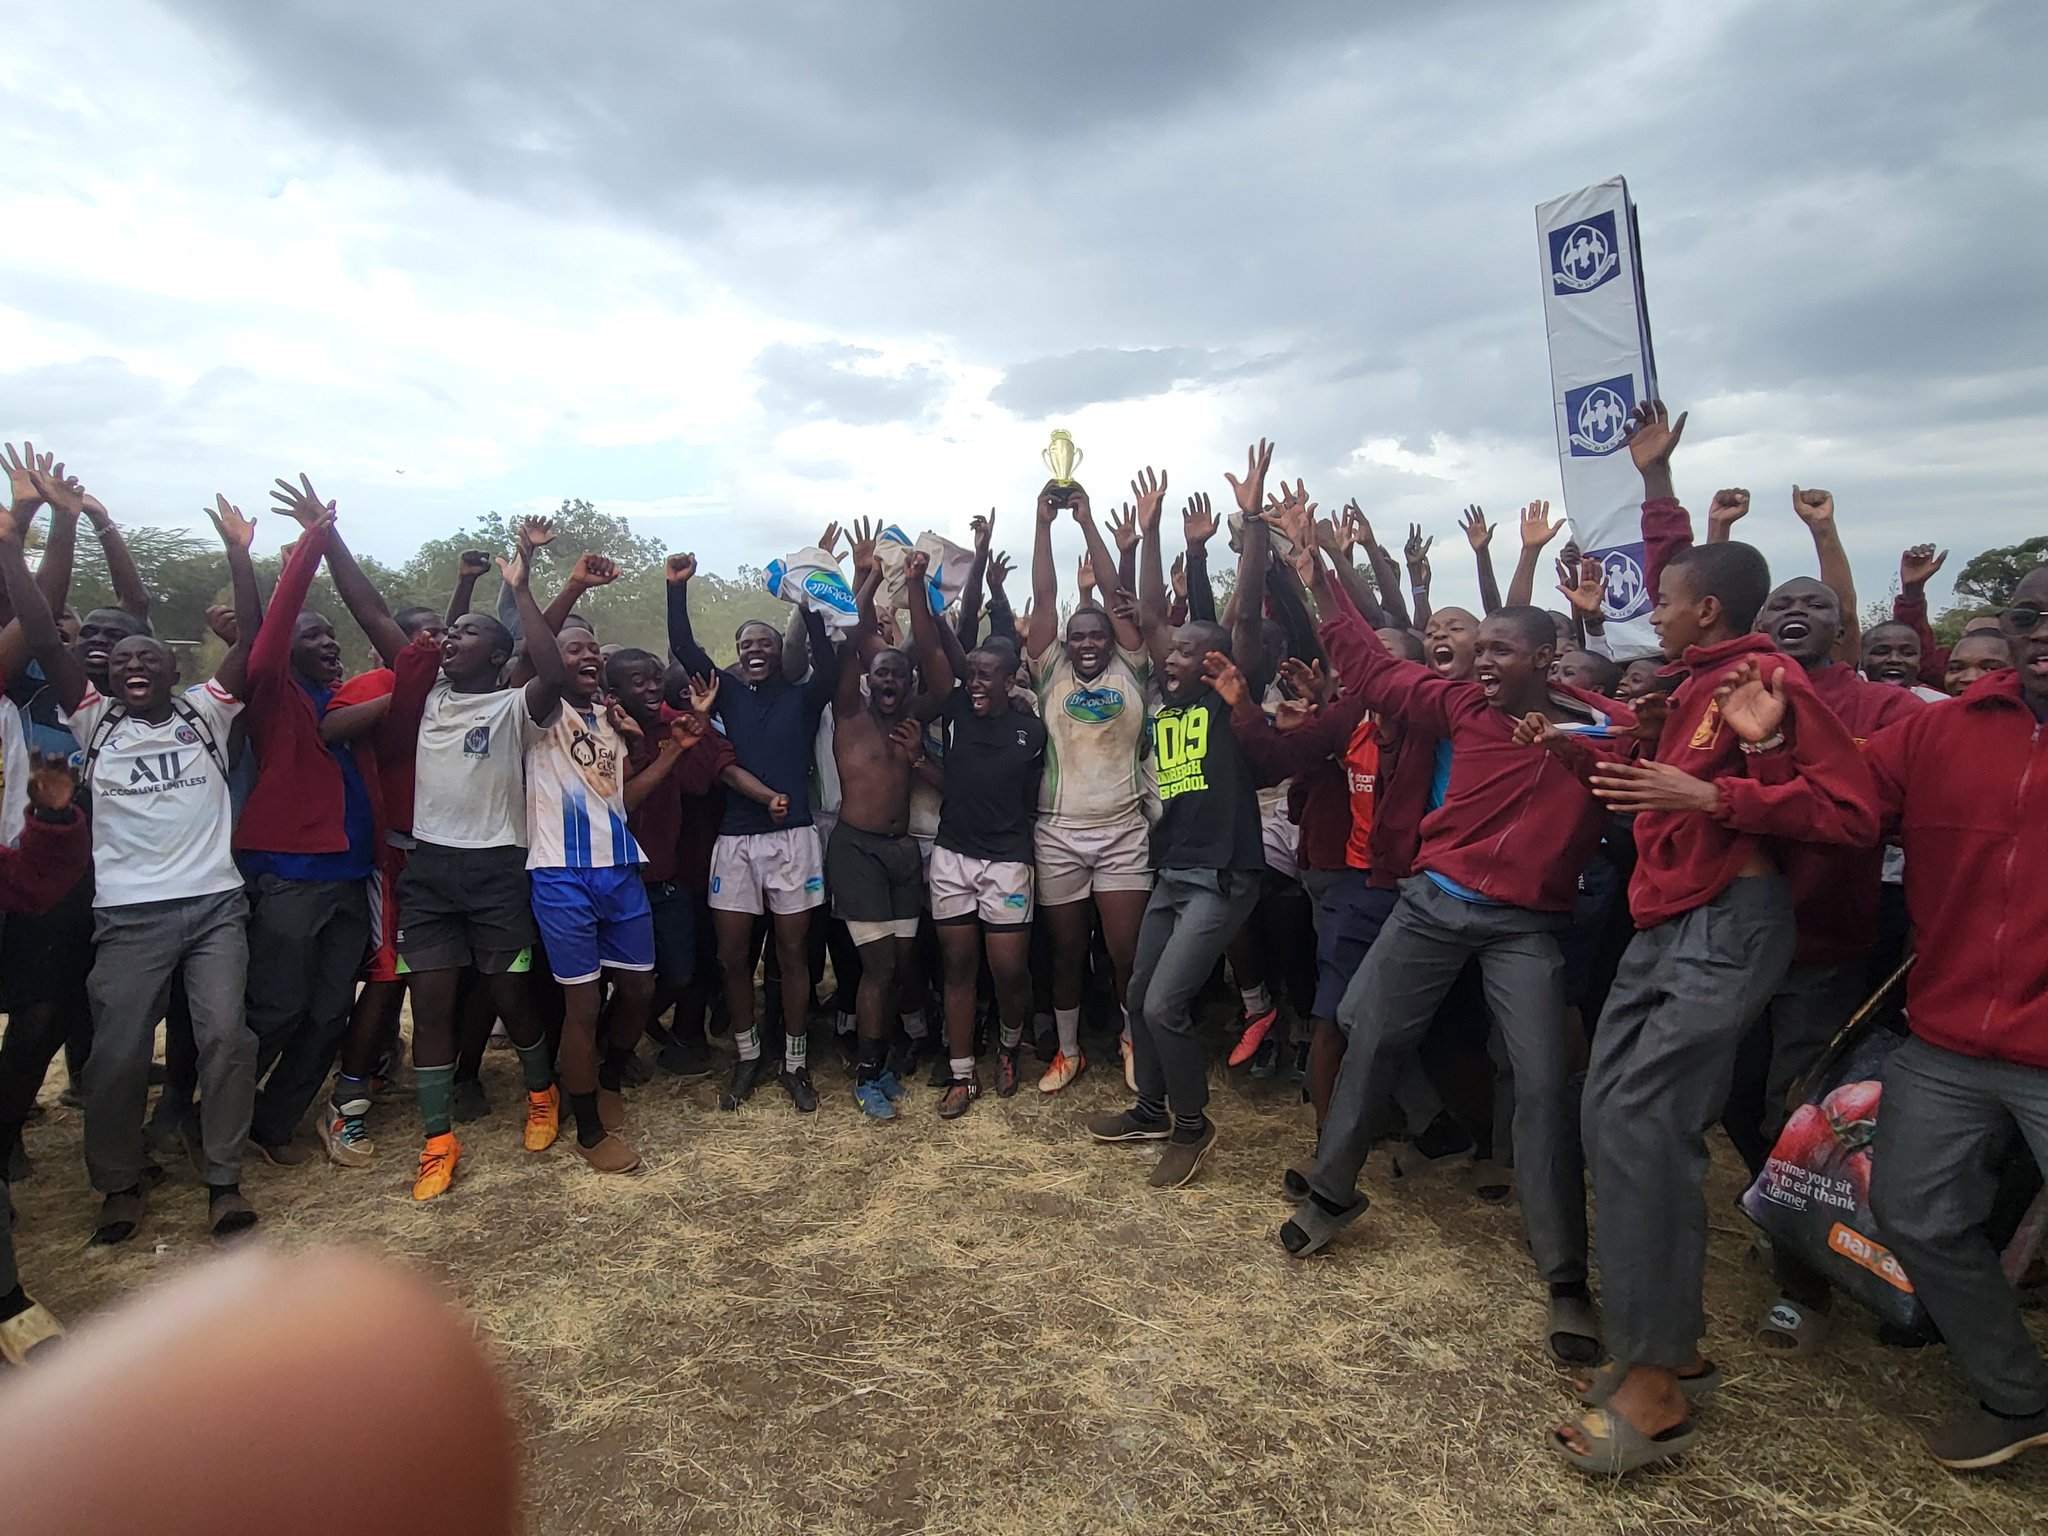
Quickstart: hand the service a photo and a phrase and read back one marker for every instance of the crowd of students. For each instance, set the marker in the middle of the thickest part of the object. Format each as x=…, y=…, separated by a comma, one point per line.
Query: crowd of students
x=1532, y=901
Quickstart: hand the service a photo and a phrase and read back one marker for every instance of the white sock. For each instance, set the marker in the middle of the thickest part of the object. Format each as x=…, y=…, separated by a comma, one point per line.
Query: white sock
x=846, y=1023
x=963, y=1068
x=1011, y=1037
x=914, y=1025
x=796, y=1050
x=1257, y=1000
x=1068, y=1022
x=749, y=1043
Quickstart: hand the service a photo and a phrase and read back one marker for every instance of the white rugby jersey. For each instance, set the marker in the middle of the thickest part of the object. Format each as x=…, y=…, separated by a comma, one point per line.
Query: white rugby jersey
x=576, y=795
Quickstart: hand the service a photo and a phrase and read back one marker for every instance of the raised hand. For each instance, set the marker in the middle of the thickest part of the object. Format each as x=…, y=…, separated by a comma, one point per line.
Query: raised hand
x=593, y=571
x=235, y=530
x=1251, y=490
x=1478, y=531
x=1816, y=509
x=1754, y=711
x=1918, y=565
x=220, y=618
x=1651, y=711
x=1123, y=528
x=96, y=509
x=536, y=533
x=63, y=491
x=51, y=786
x=1051, y=497
x=1149, y=489
x=917, y=565
x=828, y=541
x=703, y=692
x=1652, y=435
x=514, y=569
x=999, y=569
x=687, y=729
x=1359, y=527
x=1306, y=678
x=23, y=488
x=1197, y=522
x=1292, y=715
x=1293, y=514
x=1221, y=673
x=1416, y=553
x=983, y=529
x=677, y=570
x=861, y=544
x=1584, y=586
x=908, y=737
x=1537, y=528
x=1728, y=508
x=1084, y=578
x=303, y=502
x=1179, y=576
x=472, y=564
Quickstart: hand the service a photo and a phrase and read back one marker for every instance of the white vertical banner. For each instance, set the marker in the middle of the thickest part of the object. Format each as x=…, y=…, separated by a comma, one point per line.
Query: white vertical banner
x=1601, y=366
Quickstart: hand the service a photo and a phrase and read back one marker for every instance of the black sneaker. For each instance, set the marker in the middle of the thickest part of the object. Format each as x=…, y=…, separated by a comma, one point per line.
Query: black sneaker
x=468, y=1102
x=798, y=1086
x=684, y=1056
x=746, y=1073
x=1127, y=1125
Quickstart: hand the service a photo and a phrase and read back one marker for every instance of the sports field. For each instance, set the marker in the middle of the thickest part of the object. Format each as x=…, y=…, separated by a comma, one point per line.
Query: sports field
x=994, y=1326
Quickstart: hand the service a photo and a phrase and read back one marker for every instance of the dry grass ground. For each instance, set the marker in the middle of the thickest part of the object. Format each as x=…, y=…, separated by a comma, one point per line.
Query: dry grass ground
x=995, y=1327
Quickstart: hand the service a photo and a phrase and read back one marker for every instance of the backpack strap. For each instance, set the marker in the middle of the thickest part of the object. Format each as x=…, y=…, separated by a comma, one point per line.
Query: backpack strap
x=115, y=714
x=185, y=712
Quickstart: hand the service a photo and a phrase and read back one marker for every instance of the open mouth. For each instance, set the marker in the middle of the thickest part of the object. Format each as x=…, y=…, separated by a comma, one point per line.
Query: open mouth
x=1489, y=683
x=1442, y=654
x=589, y=674
x=135, y=685
x=1794, y=630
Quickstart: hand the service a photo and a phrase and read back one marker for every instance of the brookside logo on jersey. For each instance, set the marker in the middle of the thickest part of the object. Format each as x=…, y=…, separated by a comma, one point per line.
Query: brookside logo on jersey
x=829, y=590
x=1583, y=255
x=1094, y=706
x=1597, y=415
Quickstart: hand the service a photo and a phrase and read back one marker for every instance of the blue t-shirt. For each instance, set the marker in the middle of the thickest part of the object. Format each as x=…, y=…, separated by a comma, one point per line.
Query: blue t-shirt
x=1440, y=786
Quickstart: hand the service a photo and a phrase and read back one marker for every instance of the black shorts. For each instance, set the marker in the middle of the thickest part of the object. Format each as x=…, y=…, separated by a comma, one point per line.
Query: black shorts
x=46, y=956
x=675, y=931
x=464, y=906
x=874, y=879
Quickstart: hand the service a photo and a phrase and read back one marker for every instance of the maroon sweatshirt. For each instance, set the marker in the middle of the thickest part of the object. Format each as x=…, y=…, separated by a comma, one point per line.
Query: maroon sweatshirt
x=1963, y=784
x=1835, y=888
x=1312, y=755
x=1517, y=823
x=1814, y=789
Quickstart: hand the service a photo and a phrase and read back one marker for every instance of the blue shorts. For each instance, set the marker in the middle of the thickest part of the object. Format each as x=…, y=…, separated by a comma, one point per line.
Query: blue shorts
x=593, y=918
x=1349, y=916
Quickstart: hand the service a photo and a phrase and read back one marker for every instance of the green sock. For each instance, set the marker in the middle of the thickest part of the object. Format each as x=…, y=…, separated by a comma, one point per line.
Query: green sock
x=435, y=1086
x=534, y=1062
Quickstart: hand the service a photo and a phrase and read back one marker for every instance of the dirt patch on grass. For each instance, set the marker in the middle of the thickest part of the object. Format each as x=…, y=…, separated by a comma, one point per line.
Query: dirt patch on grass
x=994, y=1326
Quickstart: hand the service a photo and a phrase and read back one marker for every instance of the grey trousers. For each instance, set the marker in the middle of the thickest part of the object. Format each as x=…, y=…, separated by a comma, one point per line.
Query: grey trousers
x=1388, y=1009
x=1192, y=915
x=307, y=939
x=1944, y=1121
x=139, y=947
x=1663, y=1057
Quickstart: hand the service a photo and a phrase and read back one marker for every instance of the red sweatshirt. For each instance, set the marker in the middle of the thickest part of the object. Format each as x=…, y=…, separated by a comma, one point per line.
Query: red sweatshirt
x=1964, y=786
x=1407, y=762
x=50, y=860
x=657, y=821
x=1814, y=789
x=1333, y=760
x=1835, y=887
x=298, y=803
x=1517, y=823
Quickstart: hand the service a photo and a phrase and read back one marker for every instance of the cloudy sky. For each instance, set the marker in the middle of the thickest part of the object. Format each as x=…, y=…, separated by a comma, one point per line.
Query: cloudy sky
x=733, y=270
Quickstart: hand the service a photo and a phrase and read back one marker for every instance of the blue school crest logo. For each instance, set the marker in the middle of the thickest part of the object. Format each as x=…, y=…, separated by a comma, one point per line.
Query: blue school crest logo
x=1094, y=706
x=1584, y=255
x=1597, y=416
x=476, y=742
x=1625, y=595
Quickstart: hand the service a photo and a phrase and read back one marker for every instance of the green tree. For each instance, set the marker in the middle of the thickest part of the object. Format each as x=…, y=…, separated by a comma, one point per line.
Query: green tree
x=1985, y=584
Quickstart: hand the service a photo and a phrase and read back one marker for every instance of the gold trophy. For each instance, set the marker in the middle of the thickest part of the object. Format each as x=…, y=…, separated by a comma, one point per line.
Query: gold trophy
x=1062, y=457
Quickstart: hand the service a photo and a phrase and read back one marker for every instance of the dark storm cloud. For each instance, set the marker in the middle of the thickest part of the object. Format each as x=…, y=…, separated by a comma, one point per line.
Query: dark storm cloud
x=1842, y=207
